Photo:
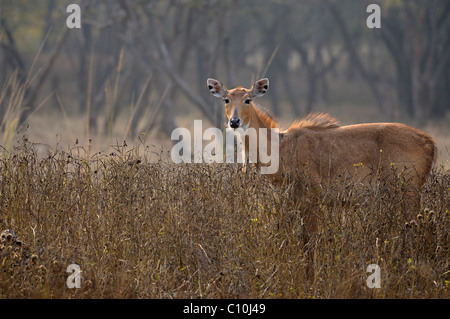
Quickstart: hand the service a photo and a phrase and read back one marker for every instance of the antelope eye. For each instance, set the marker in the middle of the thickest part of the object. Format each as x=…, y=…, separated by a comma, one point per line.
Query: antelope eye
x=226, y=101
x=247, y=101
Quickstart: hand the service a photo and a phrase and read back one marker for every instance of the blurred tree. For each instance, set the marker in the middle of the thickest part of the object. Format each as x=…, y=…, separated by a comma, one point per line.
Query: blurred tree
x=149, y=59
x=415, y=34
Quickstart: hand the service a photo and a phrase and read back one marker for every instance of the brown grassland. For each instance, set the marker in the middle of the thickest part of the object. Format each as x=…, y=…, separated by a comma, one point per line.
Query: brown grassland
x=140, y=228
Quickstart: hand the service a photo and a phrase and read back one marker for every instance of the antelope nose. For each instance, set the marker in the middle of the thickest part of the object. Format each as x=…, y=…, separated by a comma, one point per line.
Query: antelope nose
x=235, y=122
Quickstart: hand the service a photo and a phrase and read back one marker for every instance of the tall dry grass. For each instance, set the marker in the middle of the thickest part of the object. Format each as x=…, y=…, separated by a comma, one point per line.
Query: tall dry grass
x=144, y=229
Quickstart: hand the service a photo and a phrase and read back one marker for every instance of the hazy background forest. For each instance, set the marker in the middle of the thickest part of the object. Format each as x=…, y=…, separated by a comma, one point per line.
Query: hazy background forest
x=137, y=69
x=83, y=112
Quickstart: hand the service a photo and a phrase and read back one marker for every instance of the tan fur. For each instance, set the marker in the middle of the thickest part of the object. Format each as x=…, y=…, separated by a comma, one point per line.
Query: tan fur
x=330, y=153
x=317, y=144
x=250, y=114
x=331, y=150
x=315, y=120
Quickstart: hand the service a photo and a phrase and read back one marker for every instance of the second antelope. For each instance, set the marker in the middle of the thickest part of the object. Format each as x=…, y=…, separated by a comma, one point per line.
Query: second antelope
x=326, y=150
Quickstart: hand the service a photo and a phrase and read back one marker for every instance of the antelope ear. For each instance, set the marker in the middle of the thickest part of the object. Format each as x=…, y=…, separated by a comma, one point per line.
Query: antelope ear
x=216, y=88
x=259, y=88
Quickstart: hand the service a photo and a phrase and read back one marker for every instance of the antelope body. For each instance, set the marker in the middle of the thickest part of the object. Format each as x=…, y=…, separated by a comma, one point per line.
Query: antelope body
x=318, y=144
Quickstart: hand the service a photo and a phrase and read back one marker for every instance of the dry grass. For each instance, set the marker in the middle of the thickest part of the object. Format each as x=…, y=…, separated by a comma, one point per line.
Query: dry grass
x=140, y=229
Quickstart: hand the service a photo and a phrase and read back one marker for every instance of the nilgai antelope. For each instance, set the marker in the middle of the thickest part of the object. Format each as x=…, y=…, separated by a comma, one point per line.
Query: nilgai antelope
x=328, y=151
